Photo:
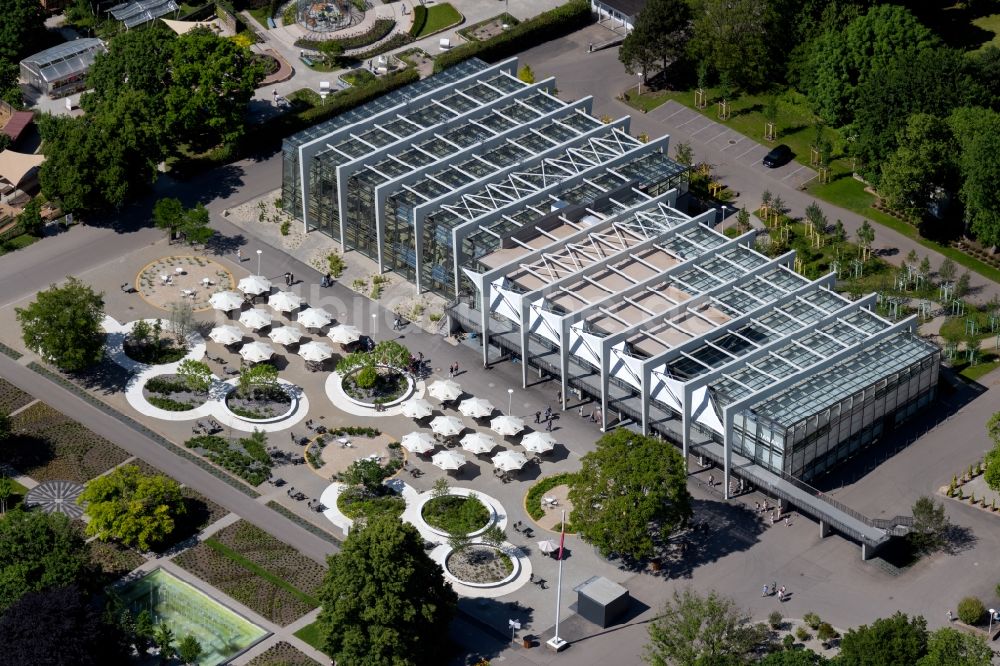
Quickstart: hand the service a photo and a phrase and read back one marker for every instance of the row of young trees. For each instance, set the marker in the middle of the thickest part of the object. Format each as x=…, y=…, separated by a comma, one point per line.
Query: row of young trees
x=155, y=94
x=921, y=116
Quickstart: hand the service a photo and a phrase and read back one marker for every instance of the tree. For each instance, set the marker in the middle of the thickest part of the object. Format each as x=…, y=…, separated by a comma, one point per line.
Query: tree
x=38, y=550
x=141, y=333
x=366, y=377
x=971, y=610
x=978, y=134
x=947, y=270
x=63, y=325
x=839, y=233
x=842, y=59
x=181, y=320
x=793, y=658
x=693, y=630
x=743, y=220
x=134, y=508
x=992, y=459
x=930, y=524
x=815, y=215
x=195, y=374
x=391, y=353
x=736, y=38
x=866, y=236
x=630, y=489
x=194, y=226
x=384, y=601
x=924, y=162
x=168, y=214
x=189, y=649
x=22, y=29
x=925, y=266
x=949, y=647
x=962, y=285
x=366, y=473
x=6, y=490
x=136, y=60
x=526, y=75
x=164, y=639
x=59, y=625
x=262, y=375
x=893, y=641
x=30, y=218
x=659, y=37
x=212, y=81
x=143, y=631
x=684, y=154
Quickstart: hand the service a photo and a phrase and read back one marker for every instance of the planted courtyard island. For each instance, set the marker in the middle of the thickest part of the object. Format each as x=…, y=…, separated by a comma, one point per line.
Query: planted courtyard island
x=378, y=378
x=258, y=396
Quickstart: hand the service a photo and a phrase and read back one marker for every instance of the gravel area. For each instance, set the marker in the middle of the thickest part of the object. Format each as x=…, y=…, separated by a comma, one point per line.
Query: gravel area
x=479, y=564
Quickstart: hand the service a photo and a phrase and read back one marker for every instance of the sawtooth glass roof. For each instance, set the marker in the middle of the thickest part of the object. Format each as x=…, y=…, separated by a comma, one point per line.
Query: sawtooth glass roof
x=65, y=60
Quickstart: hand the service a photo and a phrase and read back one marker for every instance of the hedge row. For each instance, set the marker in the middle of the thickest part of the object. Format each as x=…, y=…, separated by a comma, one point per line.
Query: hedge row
x=545, y=27
x=419, y=20
x=379, y=30
x=394, y=42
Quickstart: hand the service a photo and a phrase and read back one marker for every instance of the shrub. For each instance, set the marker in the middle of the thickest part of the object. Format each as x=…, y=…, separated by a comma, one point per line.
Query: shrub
x=826, y=632
x=336, y=265
x=379, y=30
x=546, y=26
x=419, y=20
x=802, y=634
x=812, y=620
x=366, y=377
x=285, y=228
x=788, y=642
x=775, y=620
x=169, y=404
x=970, y=610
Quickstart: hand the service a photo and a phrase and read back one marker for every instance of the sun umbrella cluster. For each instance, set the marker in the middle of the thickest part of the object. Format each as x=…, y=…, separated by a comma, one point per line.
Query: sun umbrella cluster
x=444, y=389
x=314, y=318
x=225, y=335
x=417, y=408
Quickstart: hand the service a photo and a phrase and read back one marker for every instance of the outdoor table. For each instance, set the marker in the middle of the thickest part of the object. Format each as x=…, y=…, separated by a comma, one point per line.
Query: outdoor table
x=165, y=278
x=179, y=270
x=344, y=442
x=188, y=292
x=206, y=281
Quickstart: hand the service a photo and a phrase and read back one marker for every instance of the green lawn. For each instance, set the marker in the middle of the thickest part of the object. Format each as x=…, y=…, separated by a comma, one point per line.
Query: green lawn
x=979, y=370
x=310, y=634
x=261, y=14
x=439, y=17
x=990, y=23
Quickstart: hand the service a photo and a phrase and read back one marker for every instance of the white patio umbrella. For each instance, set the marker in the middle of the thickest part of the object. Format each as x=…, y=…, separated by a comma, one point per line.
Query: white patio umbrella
x=548, y=546
x=418, y=442
x=315, y=318
x=508, y=461
x=476, y=407
x=315, y=352
x=255, y=319
x=344, y=334
x=507, y=425
x=447, y=425
x=255, y=352
x=417, y=408
x=225, y=335
x=254, y=284
x=478, y=442
x=286, y=335
x=285, y=301
x=448, y=460
x=538, y=442
x=225, y=300
x=444, y=389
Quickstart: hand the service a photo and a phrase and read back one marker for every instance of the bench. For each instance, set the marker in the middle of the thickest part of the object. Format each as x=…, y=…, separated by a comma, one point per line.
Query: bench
x=305, y=59
x=271, y=25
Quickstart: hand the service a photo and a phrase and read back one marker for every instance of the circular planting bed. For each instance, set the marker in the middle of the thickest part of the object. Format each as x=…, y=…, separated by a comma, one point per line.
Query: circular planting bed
x=170, y=393
x=358, y=503
x=456, y=514
x=154, y=352
x=376, y=385
x=266, y=403
x=480, y=565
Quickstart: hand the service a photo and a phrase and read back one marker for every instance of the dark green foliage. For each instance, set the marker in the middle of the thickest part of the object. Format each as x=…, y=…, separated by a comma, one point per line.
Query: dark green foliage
x=419, y=20
x=59, y=625
x=136, y=60
x=949, y=647
x=971, y=610
x=38, y=550
x=63, y=325
x=793, y=658
x=21, y=30
x=549, y=25
x=367, y=473
x=30, y=218
x=659, y=36
x=978, y=135
x=736, y=38
x=367, y=377
x=924, y=161
x=893, y=641
x=930, y=524
x=630, y=489
x=384, y=600
x=246, y=458
x=456, y=514
x=692, y=630
x=380, y=29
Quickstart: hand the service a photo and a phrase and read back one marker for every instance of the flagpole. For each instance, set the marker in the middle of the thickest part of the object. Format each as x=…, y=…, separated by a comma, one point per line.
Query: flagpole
x=557, y=643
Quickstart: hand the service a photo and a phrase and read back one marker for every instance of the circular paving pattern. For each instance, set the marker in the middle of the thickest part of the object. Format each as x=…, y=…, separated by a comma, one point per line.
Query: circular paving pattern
x=56, y=497
x=183, y=278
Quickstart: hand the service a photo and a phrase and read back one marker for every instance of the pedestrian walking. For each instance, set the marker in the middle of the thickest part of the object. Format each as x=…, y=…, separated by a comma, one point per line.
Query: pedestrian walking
x=950, y=616
x=396, y=323
x=548, y=413
x=781, y=593
x=239, y=255
x=763, y=592
x=538, y=417
x=772, y=518
x=451, y=370
x=774, y=587
x=456, y=367
x=580, y=411
x=711, y=481
x=291, y=279
x=548, y=425
x=788, y=521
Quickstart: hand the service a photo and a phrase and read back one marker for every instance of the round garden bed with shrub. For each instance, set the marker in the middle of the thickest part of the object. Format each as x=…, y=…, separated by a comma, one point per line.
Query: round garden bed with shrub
x=479, y=564
x=259, y=403
x=357, y=502
x=456, y=514
x=171, y=393
x=375, y=384
x=152, y=351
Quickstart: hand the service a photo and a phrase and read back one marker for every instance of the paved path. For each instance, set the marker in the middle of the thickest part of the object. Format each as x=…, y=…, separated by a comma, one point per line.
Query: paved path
x=171, y=464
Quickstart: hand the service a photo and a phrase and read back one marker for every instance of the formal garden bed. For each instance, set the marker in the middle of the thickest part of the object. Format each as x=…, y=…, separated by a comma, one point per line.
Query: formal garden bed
x=533, y=500
x=259, y=403
x=171, y=393
x=282, y=654
x=358, y=77
x=48, y=446
x=113, y=560
x=356, y=502
x=266, y=575
x=491, y=27
x=12, y=398
x=479, y=564
x=375, y=384
x=247, y=457
x=153, y=351
x=456, y=514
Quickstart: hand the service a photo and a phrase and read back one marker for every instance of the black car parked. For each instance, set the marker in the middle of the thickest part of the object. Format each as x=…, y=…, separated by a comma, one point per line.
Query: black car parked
x=780, y=155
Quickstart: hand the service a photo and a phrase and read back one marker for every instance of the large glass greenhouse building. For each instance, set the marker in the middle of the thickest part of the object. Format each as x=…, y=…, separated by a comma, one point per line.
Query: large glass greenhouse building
x=559, y=239
x=62, y=69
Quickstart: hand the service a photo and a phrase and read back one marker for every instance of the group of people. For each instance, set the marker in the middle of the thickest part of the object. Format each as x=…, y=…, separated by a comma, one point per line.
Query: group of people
x=549, y=417
x=774, y=590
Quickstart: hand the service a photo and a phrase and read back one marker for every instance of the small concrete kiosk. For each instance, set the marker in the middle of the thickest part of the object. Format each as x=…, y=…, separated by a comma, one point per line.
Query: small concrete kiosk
x=601, y=601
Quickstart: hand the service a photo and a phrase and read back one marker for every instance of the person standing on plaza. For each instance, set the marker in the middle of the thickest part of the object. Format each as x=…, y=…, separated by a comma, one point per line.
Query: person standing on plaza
x=548, y=424
x=763, y=592
x=538, y=417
